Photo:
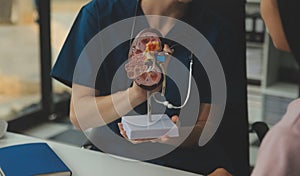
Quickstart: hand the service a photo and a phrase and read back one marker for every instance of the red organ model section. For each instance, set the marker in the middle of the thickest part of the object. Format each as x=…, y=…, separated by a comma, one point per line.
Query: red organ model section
x=146, y=60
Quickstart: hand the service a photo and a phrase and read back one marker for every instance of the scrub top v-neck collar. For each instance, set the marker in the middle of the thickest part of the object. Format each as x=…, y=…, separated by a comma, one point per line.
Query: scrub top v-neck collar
x=185, y=18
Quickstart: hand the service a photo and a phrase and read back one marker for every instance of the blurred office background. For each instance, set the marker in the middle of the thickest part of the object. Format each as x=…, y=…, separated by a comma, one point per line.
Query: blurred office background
x=21, y=85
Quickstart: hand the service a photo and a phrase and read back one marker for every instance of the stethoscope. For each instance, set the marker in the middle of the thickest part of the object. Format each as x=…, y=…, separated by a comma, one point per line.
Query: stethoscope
x=166, y=103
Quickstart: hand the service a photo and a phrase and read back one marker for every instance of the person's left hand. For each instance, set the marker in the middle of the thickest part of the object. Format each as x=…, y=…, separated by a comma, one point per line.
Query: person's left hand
x=162, y=139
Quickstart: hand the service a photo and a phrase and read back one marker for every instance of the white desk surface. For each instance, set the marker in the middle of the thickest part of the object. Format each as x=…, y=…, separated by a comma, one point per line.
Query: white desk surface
x=84, y=162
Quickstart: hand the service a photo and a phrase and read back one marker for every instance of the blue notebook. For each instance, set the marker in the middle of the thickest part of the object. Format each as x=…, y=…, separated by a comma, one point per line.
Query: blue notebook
x=31, y=159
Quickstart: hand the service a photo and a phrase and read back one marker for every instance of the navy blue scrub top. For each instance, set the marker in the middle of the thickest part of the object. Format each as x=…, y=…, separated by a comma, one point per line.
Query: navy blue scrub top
x=99, y=14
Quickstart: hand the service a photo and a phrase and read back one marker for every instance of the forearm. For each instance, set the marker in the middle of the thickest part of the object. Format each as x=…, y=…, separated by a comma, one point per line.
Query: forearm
x=193, y=133
x=118, y=104
x=193, y=139
x=89, y=110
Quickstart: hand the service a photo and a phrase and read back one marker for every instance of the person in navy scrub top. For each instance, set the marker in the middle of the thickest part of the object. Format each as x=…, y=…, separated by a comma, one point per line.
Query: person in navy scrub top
x=99, y=14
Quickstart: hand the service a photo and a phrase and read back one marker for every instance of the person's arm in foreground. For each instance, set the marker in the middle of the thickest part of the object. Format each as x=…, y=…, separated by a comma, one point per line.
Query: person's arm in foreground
x=84, y=114
x=280, y=150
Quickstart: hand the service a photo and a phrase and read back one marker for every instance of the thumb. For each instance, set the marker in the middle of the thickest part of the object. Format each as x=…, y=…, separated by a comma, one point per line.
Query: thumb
x=169, y=51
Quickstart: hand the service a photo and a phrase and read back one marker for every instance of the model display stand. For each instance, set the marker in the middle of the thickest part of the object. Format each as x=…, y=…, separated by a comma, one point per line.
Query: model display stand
x=138, y=127
x=150, y=125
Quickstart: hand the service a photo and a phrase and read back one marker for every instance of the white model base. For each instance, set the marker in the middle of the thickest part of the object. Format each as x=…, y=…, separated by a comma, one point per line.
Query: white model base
x=139, y=127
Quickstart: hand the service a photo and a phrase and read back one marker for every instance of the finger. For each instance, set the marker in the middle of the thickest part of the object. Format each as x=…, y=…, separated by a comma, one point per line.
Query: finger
x=154, y=141
x=137, y=141
x=175, y=118
x=145, y=140
x=120, y=126
x=122, y=131
x=168, y=49
x=164, y=138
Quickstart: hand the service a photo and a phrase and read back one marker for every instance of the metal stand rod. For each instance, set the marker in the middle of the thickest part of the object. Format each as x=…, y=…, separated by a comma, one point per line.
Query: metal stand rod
x=149, y=106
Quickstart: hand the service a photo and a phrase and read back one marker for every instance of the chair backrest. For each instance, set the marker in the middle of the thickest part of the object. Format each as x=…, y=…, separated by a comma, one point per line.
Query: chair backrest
x=233, y=131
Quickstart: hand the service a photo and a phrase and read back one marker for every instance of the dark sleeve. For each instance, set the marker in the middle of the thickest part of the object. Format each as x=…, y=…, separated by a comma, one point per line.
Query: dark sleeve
x=84, y=28
x=231, y=54
x=289, y=13
x=202, y=82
